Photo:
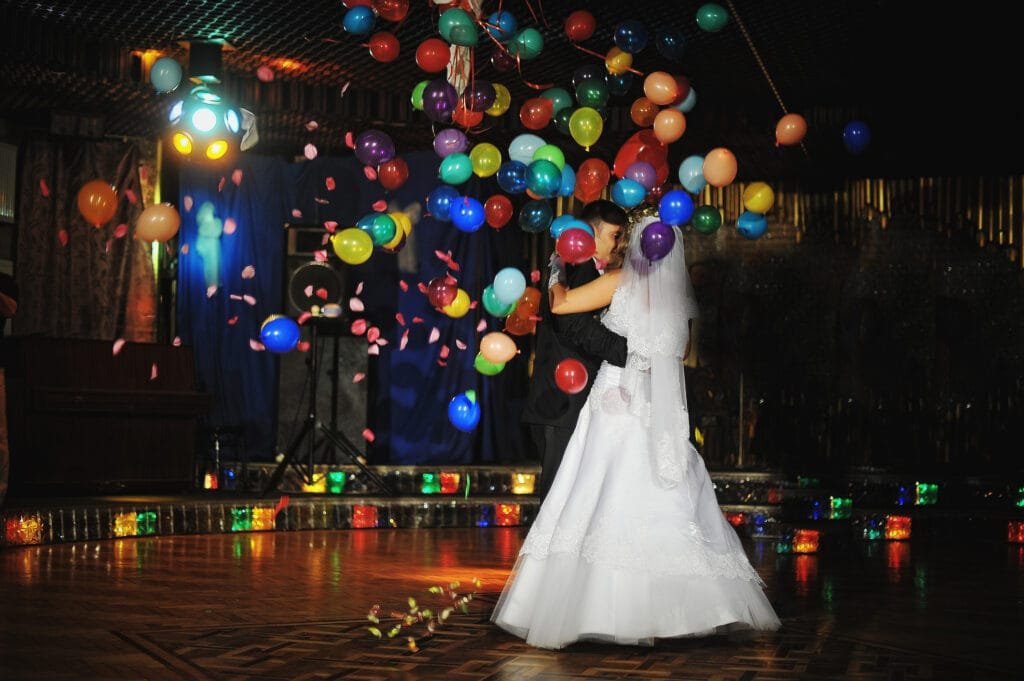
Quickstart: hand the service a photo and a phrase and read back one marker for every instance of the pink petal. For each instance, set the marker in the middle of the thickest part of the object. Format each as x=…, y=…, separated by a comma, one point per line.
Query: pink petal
x=230, y=226
x=368, y=435
x=302, y=346
x=534, y=276
x=184, y=249
x=435, y=335
x=320, y=256
x=120, y=230
x=312, y=125
x=211, y=291
x=265, y=74
x=331, y=226
x=445, y=352
x=404, y=341
x=118, y=344
x=308, y=291
x=443, y=257
x=380, y=206
x=44, y=189
x=132, y=198
x=296, y=213
x=330, y=184
x=359, y=288
x=236, y=176
x=450, y=280
x=356, y=305
x=319, y=201
x=235, y=296
x=220, y=185
x=303, y=318
x=176, y=342
x=153, y=372
x=309, y=151
x=536, y=318
x=62, y=237
x=358, y=327
x=358, y=377
x=442, y=363
x=473, y=304
x=382, y=341
x=481, y=327
x=370, y=173
x=248, y=272
x=256, y=345
x=249, y=299
x=350, y=141
x=453, y=265
x=321, y=293
x=402, y=285
x=400, y=318
x=233, y=320
x=344, y=88
x=187, y=202
x=459, y=344
x=373, y=350
x=422, y=287
x=106, y=247
x=417, y=320
x=325, y=239
x=372, y=334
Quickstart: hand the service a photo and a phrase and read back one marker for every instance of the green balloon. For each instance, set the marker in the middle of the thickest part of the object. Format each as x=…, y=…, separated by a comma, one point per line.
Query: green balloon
x=528, y=44
x=417, y=95
x=560, y=99
x=452, y=18
x=562, y=120
x=549, y=152
x=464, y=36
x=456, y=168
x=486, y=367
x=494, y=306
x=382, y=229
x=706, y=219
x=712, y=17
x=593, y=93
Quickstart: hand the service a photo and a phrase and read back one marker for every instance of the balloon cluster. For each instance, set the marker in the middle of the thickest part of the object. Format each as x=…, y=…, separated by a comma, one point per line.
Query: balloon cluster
x=445, y=295
x=361, y=19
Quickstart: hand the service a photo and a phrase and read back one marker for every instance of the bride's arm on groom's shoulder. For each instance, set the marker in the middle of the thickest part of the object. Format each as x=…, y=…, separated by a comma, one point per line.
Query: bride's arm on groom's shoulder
x=586, y=298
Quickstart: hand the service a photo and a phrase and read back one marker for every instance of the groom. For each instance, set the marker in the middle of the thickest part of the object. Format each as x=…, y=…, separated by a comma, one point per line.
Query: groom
x=551, y=413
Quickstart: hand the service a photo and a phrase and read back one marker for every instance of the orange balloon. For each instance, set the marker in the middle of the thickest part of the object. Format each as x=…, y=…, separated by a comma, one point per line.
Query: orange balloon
x=661, y=88
x=157, y=223
x=643, y=112
x=518, y=325
x=497, y=347
x=720, y=167
x=669, y=125
x=529, y=303
x=466, y=118
x=790, y=129
x=97, y=202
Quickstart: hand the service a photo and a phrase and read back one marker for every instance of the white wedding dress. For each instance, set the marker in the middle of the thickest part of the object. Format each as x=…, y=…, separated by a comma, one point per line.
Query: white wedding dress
x=630, y=544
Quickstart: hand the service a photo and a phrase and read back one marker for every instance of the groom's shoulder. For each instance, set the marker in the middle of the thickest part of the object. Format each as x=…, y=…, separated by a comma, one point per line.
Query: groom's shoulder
x=577, y=275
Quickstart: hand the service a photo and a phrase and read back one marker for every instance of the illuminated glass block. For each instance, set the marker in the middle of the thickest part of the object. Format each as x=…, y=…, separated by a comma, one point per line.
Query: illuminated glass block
x=507, y=515
x=785, y=543
x=1015, y=532
x=364, y=516
x=485, y=515
x=450, y=483
x=318, y=486
x=840, y=508
x=1020, y=497
x=23, y=530
x=897, y=527
x=210, y=481
x=774, y=495
x=145, y=522
x=524, y=483
x=927, y=494
x=241, y=519
x=804, y=481
x=126, y=525
x=759, y=523
x=817, y=511
x=736, y=519
x=805, y=541
x=336, y=482
x=431, y=484
x=262, y=519
x=874, y=529
x=902, y=496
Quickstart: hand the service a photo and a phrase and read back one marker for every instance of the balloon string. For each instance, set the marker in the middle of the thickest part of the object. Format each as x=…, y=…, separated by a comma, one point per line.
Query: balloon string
x=519, y=64
x=600, y=56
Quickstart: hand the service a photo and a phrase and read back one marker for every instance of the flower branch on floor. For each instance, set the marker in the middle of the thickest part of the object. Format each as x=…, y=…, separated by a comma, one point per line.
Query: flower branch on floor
x=430, y=619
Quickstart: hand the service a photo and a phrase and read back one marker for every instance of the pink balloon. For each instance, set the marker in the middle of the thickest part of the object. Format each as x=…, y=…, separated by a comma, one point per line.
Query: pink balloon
x=575, y=246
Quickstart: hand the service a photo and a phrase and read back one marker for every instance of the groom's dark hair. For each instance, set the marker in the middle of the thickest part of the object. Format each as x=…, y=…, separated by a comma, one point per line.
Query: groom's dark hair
x=603, y=210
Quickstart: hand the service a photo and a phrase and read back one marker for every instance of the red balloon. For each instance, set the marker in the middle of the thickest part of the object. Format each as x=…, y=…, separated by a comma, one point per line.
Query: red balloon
x=519, y=326
x=432, y=55
x=441, y=291
x=683, y=85
x=580, y=25
x=391, y=10
x=536, y=113
x=466, y=118
x=529, y=302
x=498, y=211
x=571, y=376
x=356, y=3
x=575, y=246
x=393, y=174
x=591, y=178
x=384, y=47
x=643, y=146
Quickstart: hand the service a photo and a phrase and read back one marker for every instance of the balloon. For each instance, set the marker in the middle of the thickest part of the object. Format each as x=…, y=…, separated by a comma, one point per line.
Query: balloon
x=543, y=178
x=502, y=100
x=158, y=222
x=486, y=367
x=619, y=84
x=575, y=246
x=752, y=225
x=501, y=60
x=720, y=167
x=486, y=159
x=591, y=179
x=497, y=347
x=758, y=198
x=571, y=376
x=617, y=61
x=439, y=98
x=502, y=25
x=586, y=126
x=707, y=219
x=527, y=44
x=512, y=177
x=165, y=75
x=352, y=245
x=549, y=152
x=458, y=307
x=642, y=172
x=536, y=113
x=523, y=147
x=671, y=44
x=479, y=96
x=381, y=228
x=562, y=119
x=279, y=333
x=657, y=241
x=456, y=169
x=628, y=193
x=580, y=25
x=631, y=36
x=535, y=216
x=416, y=98
x=529, y=302
x=790, y=129
x=669, y=125
x=519, y=326
x=592, y=92
x=682, y=89
x=463, y=410
x=712, y=17
x=439, y=202
x=452, y=18
x=432, y=55
x=560, y=99
x=498, y=211
x=642, y=146
x=691, y=174
x=587, y=72
x=450, y=141
x=374, y=147
x=568, y=181
x=660, y=88
x=686, y=106
x=856, y=136
x=441, y=291
x=509, y=285
x=97, y=202
x=676, y=207
x=494, y=306
x=403, y=228
x=643, y=112
x=391, y=10
x=393, y=174
x=466, y=118
x=566, y=222
x=467, y=214
x=383, y=47
x=359, y=20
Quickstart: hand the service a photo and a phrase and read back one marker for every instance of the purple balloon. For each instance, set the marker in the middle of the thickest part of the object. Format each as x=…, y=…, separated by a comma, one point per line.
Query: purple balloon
x=450, y=141
x=502, y=61
x=374, y=147
x=439, y=99
x=657, y=240
x=644, y=173
x=479, y=97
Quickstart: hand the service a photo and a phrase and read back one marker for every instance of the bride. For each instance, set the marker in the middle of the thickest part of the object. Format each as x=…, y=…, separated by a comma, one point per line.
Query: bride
x=630, y=544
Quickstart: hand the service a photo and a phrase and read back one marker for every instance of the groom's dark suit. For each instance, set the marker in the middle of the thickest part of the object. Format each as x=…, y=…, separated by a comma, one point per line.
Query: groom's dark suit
x=551, y=413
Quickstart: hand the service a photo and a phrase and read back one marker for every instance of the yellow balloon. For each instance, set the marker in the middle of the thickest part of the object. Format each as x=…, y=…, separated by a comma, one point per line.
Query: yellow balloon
x=403, y=223
x=758, y=198
x=486, y=159
x=399, y=235
x=585, y=126
x=352, y=245
x=617, y=61
x=502, y=100
x=458, y=307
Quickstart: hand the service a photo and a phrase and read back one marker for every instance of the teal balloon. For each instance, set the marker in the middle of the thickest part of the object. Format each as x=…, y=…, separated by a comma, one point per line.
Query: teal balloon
x=619, y=84
x=712, y=17
x=593, y=93
x=568, y=181
x=487, y=367
x=560, y=98
x=165, y=74
x=452, y=18
x=561, y=120
x=456, y=169
x=464, y=36
x=564, y=222
x=543, y=178
x=691, y=174
x=527, y=44
x=535, y=216
x=752, y=225
x=495, y=307
x=381, y=228
x=628, y=193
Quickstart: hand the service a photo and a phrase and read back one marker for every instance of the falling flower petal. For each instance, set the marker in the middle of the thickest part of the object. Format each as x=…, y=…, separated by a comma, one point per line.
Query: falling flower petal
x=534, y=276
x=211, y=291
x=120, y=230
x=321, y=293
x=370, y=173
x=536, y=318
x=459, y=344
x=373, y=350
x=368, y=435
x=358, y=377
x=187, y=202
x=308, y=291
x=350, y=141
x=450, y=280
x=312, y=125
x=118, y=344
x=330, y=184
x=230, y=226
x=422, y=287
x=236, y=176
x=380, y=206
x=358, y=327
x=481, y=327
x=382, y=341
x=473, y=304
x=442, y=363
x=302, y=346
x=445, y=352
x=153, y=373
x=359, y=288
x=106, y=247
x=331, y=226
x=372, y=334
x=62, y=237
x=405, y=340
x=184, y=249
x=44, y=189
x=325, y=239
x=265, y=74
x=248, y=272
x=256, y=345
x=320, y=256
x=220, y=185
x=417, y=320
x=296, y=213
x=233, y=320
x=235, y=296
x=435, y=335
x=176, y=342
x=344, y=88
x=402, y=285
x=303, y=318
x=309, y=151
x=319, y=201
x=132, y=198
x=400, y=318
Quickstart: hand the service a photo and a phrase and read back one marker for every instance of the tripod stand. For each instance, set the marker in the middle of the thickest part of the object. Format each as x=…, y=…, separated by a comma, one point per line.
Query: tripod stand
x=333, y=438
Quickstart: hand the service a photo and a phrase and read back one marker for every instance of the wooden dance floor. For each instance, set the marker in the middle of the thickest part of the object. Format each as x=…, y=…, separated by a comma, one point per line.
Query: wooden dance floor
x=292, y=605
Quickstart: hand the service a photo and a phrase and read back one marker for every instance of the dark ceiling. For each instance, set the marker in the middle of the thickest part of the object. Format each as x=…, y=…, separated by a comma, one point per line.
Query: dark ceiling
x=935, y=86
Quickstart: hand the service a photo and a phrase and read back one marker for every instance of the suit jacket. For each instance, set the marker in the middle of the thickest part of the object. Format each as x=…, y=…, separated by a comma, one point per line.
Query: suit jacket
x=579, y=336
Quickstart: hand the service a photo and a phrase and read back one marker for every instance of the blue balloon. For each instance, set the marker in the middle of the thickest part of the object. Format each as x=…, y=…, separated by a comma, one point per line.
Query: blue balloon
x=165, y=74
x=439, y=202
x=522, y=147
x=280, y=334
x=564, y=222
x=691, y=174
x=631, y=36
x=502, y=26
x=676, y=207
x=359, y=20
x=464, y=411
x=467, y=213
x=856, y=136
x=628, y=193
x=752, y=225
x=671, y=43
x=619, y=84
x=568, y=181
x=535, y=216
x=512, y=177
x=509, y=285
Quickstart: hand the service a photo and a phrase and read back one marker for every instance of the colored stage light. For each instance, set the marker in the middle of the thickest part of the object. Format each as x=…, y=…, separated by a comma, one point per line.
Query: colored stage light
x=507, y=515
x=23, y=530
x=874, y=529
x=897, y=527
x=805, y=541
x=262, y=519
x=336, y=482
x=736, y=519
x=241, y=519
x=1015, y=532
x=524, y=483
x=840, y=508
x=431, y=484
x=126, y=525
x=927, y=494
x=364, y=516
x=450, y=483
x=318, y=486
x=203, y=120
x=145, y=522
